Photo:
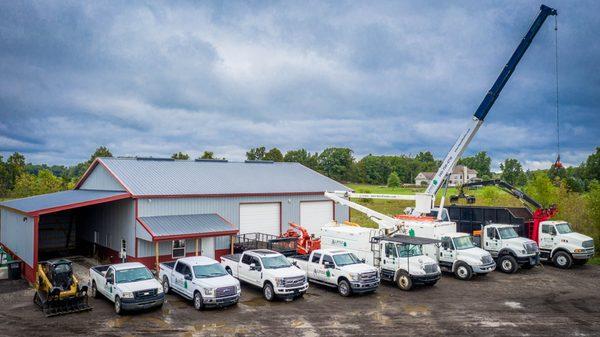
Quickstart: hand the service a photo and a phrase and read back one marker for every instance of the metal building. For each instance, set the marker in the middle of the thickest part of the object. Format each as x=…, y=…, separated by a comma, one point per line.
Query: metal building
x=153, y=210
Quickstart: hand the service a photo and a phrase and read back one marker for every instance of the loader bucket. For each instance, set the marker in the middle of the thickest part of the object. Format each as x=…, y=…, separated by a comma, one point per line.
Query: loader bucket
x=54, y=306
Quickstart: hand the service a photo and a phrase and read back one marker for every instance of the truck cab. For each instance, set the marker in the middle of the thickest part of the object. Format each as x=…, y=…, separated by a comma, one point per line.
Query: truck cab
x=338, y=268
x=200, y=279
x=561, y=245
x=509, y=250
x=459, y=255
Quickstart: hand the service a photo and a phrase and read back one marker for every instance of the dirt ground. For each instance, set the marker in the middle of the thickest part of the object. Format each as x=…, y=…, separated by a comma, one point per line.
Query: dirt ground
x=544, y=301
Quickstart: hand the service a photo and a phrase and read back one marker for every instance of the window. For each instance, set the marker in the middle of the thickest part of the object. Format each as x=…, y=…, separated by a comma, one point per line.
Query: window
x=316, y=258
x=546, y=229
x=247, y=259
x=327, y=258
x=178, y=248
x=490, y=232
x=390, y=250
x=180, y=267
x=109, y=273
x=133, y=275
x=447, y=243
x=186, y=270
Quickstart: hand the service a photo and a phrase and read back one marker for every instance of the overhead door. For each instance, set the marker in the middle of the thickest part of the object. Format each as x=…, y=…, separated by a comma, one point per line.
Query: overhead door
x=315, y=214
x=260, y=218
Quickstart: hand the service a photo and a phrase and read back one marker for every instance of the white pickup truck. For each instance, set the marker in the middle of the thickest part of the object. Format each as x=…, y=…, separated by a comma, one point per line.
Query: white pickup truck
x=268, y=270
x=130, y=286
x=200, y=279
x=338, y=268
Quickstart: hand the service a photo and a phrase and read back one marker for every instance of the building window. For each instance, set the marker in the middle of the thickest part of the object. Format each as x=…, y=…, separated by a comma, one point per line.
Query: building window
x=178, y=248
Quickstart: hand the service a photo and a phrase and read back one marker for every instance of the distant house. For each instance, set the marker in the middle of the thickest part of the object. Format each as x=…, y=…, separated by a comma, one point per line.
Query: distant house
x=460, y=175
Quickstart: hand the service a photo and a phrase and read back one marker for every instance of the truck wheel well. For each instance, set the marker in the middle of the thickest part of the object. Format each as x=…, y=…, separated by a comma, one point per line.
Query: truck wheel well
x=559, y=250
x=342, y=278
x=507, y=252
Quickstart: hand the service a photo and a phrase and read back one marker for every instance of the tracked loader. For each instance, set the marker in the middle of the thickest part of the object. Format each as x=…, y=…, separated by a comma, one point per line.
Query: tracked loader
x=57, y=289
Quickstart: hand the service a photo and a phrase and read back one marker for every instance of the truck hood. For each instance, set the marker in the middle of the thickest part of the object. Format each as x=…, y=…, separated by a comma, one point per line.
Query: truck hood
x=140, y=285
x=217, y=282
x=575, y=237
x=473, y=254
x=285, y=272
x=358, y=268
x=520, y=241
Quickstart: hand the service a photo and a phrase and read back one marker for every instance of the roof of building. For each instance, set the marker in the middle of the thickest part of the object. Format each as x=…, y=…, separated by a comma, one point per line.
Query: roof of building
x=188, y=226
x=155, y=177
x=60, y=201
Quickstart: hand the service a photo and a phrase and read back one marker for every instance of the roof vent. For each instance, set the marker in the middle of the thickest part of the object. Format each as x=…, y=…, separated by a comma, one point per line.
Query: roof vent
x=155, y=159
x=211, y=160
x=259, y=162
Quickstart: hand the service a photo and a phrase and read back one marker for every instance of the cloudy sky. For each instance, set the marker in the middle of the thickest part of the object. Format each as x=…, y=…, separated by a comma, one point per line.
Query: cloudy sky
x=378, y=77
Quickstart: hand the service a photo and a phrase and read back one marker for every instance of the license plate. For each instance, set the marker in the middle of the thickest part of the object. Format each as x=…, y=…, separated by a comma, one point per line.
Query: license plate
x=146, y=293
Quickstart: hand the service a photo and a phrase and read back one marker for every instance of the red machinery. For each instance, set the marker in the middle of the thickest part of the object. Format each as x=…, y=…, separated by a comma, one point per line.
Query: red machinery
x=305, y=242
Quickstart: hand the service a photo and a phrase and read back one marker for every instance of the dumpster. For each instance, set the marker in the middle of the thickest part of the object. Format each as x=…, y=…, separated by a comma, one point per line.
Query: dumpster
x=14, y=270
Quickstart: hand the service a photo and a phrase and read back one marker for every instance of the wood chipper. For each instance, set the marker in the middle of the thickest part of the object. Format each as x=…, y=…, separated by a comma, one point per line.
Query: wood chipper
x=57, y=289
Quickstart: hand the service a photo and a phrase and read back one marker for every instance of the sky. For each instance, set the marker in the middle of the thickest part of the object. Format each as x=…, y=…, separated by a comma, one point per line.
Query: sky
x=154, y=78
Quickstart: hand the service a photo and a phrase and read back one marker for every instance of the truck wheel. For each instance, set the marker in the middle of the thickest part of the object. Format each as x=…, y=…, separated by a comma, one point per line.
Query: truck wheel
x=463, y=271
x=508, y=264
x=580, y=262
x=268, y=292
x=344, y=288
x=94, y=291
x=165, y=284
x=404, y=281
x=198, y=302
x=118, y=308
x=562, y=260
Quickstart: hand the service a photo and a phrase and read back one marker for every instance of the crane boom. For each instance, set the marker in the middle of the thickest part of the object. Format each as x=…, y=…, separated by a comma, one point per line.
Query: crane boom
x=488, y=101
x=384, y=221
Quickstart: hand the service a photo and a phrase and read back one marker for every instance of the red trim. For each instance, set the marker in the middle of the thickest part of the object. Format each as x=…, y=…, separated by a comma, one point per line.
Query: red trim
x=91, y=168
x=231, y=195
x=28, y=271
x=135, y=208
x=194, y=236
x=79, y=204
x=36, y=238
x=262, y=203
x=146, y=227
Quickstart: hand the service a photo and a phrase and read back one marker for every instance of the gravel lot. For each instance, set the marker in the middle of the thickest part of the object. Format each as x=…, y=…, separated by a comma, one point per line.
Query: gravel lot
x=542, y=301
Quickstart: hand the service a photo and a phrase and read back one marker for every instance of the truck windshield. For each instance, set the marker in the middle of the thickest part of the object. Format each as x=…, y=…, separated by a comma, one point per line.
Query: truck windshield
x=274, y=262
x=211, y=270
x=133, y=275
x=409, y=250
x=508, y=233
x=345, y=259
x=463, y=242
x=564, y=228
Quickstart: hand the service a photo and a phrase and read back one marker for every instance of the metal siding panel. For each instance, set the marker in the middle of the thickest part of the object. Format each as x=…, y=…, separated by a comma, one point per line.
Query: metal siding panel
x=186, y=224
x=101, y=179
x=114, y=221
x=17, y=234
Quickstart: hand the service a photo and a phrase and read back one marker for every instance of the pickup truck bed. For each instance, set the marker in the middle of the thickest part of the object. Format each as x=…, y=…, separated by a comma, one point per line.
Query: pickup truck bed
x=232, y=257
x=303, y=257
x=169, y=265
x=101, y=269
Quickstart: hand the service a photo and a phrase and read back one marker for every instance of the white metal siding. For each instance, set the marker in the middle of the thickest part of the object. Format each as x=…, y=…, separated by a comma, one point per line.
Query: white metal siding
x=16, y=233
x=315, y=214
x=101, y=179
x=261, y=218
x=113, y=221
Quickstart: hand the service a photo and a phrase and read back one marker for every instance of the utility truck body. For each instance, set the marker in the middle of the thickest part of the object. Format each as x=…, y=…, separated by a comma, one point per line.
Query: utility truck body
x=399, y=259
x=130, y=286
x=268, y=270
x=338, y=268
x=509, y=250
x=200, y=279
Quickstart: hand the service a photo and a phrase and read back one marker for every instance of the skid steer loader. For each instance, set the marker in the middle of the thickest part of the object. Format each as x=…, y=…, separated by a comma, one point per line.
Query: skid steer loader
x=57, y=289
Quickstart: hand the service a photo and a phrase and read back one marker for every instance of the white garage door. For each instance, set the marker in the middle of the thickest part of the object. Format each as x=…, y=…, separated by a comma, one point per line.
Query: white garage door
x=315, y=214
x=260, y=218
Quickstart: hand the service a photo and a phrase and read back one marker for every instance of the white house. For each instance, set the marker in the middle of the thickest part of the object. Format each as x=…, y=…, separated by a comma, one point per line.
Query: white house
x=460, y=175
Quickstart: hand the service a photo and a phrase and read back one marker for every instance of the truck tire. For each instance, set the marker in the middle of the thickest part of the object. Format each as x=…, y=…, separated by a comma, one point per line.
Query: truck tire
x=344, y=288
x=580, y=262
x=562, y=260
x=94, y=290
x=118, y=308
x=198, y=301
x=268, y=292
x=463, y=271
x=404, y=281
x=508, y=264
x=166, y=285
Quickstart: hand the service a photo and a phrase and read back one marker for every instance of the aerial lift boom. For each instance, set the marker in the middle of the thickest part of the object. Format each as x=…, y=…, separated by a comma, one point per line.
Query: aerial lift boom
x=384, y=221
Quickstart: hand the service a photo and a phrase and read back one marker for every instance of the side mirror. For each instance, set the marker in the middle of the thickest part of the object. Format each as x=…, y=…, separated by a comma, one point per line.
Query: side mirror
x=363, y=260
x=110, y=280
x=252, y=266
x=328, y=264
x=188, y=277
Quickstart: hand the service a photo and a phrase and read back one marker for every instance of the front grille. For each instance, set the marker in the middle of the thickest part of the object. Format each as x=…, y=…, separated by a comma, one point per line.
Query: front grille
x=292, y=282
x=487, y=259
x=531, y=247
x=368, y=277
x=142, y=294
x=431, y=268
x=225, y=291
x=588, y=244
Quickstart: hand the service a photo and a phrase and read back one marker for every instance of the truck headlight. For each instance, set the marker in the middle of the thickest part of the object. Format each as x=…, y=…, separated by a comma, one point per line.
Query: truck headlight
x=354, y=276
x=578, y=250
x=209, y=291
x=127, y=294
x=238, y=287
x=159, y=290
x=279, y=281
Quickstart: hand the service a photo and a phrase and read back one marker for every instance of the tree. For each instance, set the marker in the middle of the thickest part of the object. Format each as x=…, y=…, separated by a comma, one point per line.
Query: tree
x=15, y=166
x=274, y=155
x=480, y=162
x=393, y=180
x=257, y=153
x=303, y=157
x=336, y=163
x=207, y=155
x=512, y=172
x=540, y=188
x=591, y=168
x=4, y=178
x=29, y=184
x=592, y=199
x=490, y=195
x=102, y=151
x=180, y=156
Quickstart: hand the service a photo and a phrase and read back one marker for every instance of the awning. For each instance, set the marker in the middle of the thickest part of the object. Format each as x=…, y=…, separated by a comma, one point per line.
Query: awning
x=189, y=226
x=60, y=201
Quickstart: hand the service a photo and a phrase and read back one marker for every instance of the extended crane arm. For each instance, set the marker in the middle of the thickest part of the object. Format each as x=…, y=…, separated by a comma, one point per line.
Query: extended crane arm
x=384, y=221
x=508, y=188
x=488, y=101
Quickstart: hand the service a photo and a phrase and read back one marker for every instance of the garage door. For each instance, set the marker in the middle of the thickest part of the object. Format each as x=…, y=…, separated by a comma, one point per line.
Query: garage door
x=261, y=218
x=315, y=214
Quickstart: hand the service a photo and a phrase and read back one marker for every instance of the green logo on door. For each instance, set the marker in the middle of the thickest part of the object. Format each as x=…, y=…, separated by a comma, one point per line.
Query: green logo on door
x=411, y=232
x=185, y=284
x=328, y=273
